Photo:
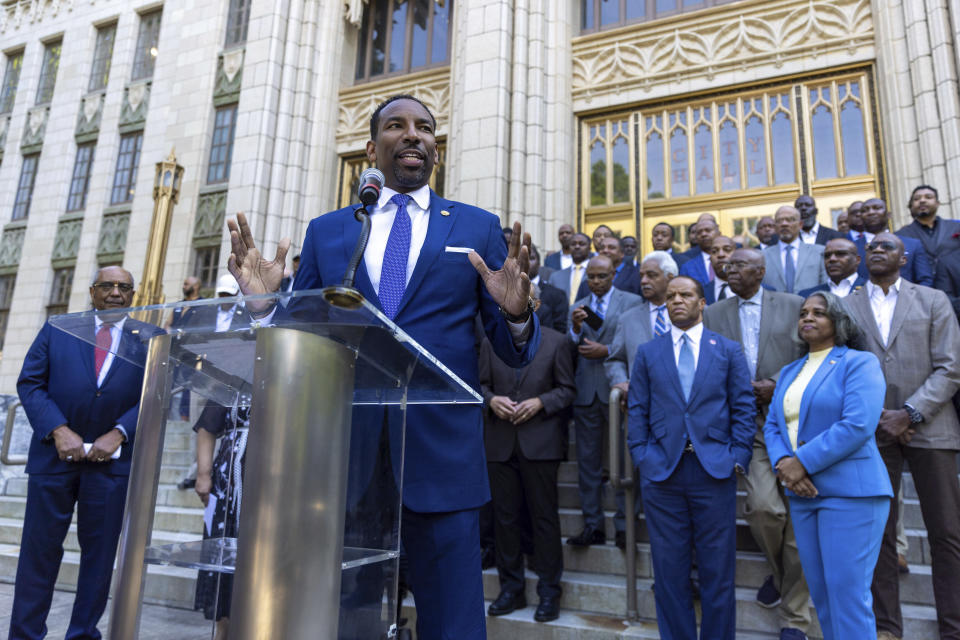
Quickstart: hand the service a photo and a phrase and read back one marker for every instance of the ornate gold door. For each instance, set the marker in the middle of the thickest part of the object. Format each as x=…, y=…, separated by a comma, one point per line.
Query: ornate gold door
x=738, y=155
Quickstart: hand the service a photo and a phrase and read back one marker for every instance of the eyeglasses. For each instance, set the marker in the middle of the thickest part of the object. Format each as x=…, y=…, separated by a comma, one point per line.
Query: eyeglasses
x=107, y=287
x=882, y=245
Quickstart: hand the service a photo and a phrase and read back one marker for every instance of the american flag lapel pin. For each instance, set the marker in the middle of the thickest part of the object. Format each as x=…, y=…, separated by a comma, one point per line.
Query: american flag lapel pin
x=712, y=341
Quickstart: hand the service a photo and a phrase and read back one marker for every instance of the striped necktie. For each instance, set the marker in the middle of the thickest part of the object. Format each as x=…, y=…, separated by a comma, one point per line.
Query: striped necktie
x=660, y=327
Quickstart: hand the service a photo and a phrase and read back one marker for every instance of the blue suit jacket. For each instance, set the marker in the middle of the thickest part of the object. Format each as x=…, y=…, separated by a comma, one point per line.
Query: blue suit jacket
x=839, y=413
x=57, y=386
x=859, y=282
x=444, y=466
x=553, y=261
x=917, y=269
x=718, y=419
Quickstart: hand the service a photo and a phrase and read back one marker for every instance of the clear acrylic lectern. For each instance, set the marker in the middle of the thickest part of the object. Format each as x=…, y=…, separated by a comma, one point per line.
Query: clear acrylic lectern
x=299, y=536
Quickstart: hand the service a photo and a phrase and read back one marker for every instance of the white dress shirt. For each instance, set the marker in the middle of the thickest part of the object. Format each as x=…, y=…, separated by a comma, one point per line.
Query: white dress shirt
x=810, y=237
x=706, y=262
x=783, y=254
x=883, y=305
x=718, y=285
x=381, y=221
x=116, y=330
x=843, y=288
x=868, y=237
x=695, y=334
x=566, y=260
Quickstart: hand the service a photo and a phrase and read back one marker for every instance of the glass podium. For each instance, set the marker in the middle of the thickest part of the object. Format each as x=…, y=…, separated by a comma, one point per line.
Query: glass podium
x=299, y=419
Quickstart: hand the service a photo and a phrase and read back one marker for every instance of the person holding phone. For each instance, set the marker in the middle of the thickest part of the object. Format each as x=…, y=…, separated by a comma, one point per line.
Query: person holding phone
x=593, y=323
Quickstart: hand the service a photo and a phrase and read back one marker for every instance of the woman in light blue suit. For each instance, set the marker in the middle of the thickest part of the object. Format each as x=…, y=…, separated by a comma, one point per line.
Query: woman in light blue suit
x=820, y=437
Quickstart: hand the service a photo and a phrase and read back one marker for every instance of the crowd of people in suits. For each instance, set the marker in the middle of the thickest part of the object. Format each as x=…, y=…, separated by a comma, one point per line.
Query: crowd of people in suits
x=817, y=365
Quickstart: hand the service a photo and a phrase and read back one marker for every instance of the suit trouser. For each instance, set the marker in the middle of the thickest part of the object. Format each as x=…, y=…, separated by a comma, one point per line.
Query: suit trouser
x=443, y=550
x=517, y=485
x=768, y=514
x=692, y=510
x=839, y=541
x=99, y=497
x=935, y=477
x=590, y=426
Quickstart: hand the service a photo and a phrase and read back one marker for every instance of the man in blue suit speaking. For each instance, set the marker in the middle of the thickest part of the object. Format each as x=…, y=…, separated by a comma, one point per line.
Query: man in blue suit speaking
x=415, y=268
x=691, y=429
x=76, y=394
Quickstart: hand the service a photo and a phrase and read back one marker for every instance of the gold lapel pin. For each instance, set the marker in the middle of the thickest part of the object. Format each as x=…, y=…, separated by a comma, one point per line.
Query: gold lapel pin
x=833, y=362
x=444, y=213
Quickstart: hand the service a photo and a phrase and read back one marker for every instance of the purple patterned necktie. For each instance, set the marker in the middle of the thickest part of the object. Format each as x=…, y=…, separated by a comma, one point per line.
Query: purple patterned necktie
x=393, y=275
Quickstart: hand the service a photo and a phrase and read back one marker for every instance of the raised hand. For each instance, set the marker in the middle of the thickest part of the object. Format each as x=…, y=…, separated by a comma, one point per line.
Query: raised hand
x=510, y=286
x=254, y=274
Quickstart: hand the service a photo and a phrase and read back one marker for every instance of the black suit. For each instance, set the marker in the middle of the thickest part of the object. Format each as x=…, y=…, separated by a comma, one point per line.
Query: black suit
x=553, y=308
x=943, y=249
x=627, y=279
x=826, y=234
x=523, y=459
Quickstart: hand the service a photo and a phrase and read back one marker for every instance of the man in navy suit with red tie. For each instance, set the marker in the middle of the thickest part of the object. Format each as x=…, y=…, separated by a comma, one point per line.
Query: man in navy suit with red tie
x=691, y=429
x=77, y=394
x=416, y=271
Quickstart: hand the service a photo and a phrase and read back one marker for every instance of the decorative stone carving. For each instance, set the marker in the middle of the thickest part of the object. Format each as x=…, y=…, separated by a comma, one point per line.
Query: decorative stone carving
x=229, y=74
x=17, y=13
x=91, y=108
x=35, y=127
x=735, y=38
x=358, y=102
x=113, y=235
x=354, y=11
x=68, y=239
x=11, y=245
x=211, y=209
x=136, y=98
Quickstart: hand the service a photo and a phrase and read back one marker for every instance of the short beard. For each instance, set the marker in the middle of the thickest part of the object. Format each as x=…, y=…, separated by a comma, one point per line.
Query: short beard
x=418, y=180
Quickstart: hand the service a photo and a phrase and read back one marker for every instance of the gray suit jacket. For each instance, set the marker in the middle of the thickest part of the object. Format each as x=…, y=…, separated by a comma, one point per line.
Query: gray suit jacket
x=591, y=379
x=633, y=329
x=778, y=344
x=920, y=362
x=561, y=279
x=809, y=272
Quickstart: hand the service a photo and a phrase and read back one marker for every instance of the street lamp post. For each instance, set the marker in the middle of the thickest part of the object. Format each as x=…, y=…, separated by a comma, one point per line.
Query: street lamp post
x=166, y=193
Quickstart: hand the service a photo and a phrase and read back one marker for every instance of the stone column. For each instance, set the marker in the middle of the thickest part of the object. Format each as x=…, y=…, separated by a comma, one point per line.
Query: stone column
x=511, y=147
x=920, y=108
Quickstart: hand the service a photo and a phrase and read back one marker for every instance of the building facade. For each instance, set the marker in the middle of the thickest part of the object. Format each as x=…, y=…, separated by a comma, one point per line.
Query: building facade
x=623, y=112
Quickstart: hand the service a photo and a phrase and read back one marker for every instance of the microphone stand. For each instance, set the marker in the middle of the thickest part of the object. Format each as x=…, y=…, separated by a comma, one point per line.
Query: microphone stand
x=346, y=295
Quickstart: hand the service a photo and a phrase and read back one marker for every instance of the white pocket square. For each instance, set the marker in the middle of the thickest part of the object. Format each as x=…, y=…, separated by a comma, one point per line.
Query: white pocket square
x=449, y=249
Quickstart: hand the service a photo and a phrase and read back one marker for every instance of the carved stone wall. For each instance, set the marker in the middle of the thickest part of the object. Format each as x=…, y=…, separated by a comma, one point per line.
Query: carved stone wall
x=113, y=236
x=88, y=120
x=34, y=129
x=11, y=245
x=229, y=76
x=208, y=225
x=4, y=127
x=358, y=102
x=746, y=41
x=15, y=14
x=67, y=242
x=136, y=98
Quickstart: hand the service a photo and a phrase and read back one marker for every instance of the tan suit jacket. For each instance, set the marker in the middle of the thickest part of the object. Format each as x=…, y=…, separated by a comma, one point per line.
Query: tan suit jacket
x=921, y=360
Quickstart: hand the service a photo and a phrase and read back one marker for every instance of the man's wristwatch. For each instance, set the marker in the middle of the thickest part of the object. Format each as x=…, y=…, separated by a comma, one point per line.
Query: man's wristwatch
x=739, y=469
x=523, y=317
x=915, y=416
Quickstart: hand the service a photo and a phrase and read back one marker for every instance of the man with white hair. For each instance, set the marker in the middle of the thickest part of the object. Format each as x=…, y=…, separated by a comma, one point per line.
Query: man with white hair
x=638, y=325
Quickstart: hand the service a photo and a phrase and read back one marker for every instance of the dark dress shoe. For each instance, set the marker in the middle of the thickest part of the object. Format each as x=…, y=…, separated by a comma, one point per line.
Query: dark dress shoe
x=548, y=609
x=507, y=602
x=621, y=540
x=587, y=537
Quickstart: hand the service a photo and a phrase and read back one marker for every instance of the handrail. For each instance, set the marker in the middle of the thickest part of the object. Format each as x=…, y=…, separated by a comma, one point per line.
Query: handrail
x=621, y=477
x=5, y=456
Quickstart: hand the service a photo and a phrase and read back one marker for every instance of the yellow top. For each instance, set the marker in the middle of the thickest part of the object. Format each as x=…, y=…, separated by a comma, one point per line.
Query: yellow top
x=794, y=394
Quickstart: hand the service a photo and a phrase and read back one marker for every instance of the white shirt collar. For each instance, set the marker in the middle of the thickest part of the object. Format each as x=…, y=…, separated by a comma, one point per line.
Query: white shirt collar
x=795, y=244
x=695, y=333
x=605, y=298
x=810, y=237
x=421, y=196
x=97, y=323
x=756, y=298
x=873, y=289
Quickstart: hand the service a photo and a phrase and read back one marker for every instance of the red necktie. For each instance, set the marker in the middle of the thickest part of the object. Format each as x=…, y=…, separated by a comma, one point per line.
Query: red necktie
x=104, y=340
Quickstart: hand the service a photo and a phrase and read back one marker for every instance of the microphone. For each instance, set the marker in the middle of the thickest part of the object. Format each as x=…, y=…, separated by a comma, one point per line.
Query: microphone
x=371, y=183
